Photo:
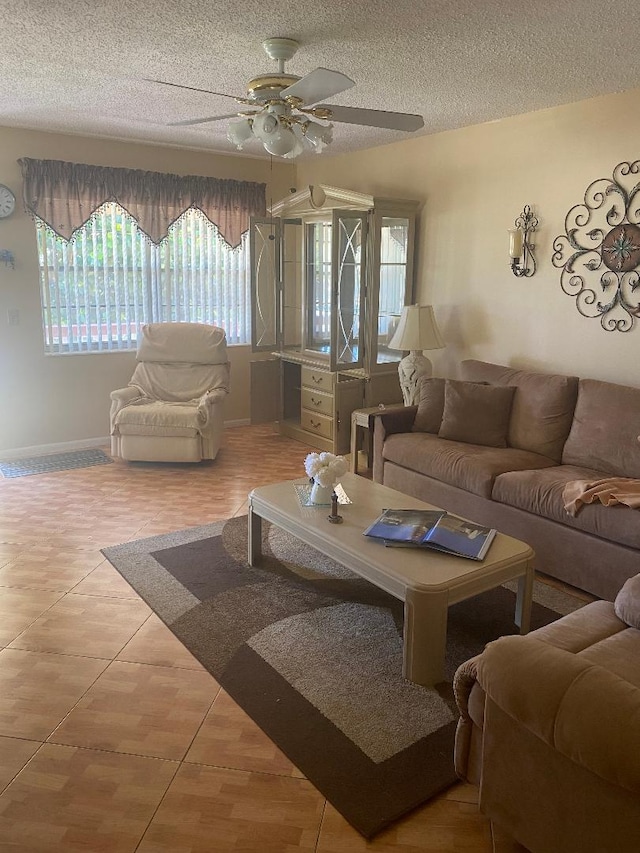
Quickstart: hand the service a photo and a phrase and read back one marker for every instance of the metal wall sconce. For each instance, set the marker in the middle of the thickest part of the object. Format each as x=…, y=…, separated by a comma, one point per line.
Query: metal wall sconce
x=523, y=262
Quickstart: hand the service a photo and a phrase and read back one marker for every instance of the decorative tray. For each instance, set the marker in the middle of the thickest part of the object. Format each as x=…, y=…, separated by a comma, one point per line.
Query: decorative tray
x=303, y=491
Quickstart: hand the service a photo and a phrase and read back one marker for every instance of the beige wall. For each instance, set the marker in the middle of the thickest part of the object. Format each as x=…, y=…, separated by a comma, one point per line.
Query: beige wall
x=474, y=182
x=55, y=399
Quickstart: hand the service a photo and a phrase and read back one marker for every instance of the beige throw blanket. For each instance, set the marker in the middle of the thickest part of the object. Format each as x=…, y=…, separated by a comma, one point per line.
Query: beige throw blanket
x=609, y=491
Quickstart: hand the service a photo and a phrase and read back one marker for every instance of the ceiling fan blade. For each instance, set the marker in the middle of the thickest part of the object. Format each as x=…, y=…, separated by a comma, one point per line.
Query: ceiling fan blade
x=190, y=121
x=190, y=88
x=318, y=84
x=373, y=118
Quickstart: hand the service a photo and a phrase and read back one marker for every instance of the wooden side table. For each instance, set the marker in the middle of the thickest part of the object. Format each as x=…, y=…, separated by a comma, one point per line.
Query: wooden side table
x=362, y=419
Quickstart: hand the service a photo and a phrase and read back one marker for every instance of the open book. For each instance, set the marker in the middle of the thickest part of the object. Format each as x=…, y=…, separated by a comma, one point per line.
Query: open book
x=434, y=529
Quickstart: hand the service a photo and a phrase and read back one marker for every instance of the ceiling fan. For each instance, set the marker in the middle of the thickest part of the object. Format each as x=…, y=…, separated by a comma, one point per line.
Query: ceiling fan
x=285, y=106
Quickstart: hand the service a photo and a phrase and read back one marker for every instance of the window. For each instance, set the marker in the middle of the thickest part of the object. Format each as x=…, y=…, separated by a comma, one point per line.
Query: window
x=98, y=289
x=121, y=247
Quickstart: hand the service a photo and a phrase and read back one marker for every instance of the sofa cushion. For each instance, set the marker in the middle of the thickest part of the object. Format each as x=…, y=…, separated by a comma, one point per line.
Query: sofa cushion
x=466, y=466
x=540, y=492
x=476, y=413
x=605, y=429
x=543, y=405
x=430, y=405
x=627, y=603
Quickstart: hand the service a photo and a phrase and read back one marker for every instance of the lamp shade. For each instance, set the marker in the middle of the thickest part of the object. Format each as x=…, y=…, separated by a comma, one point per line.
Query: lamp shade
x=417, y=330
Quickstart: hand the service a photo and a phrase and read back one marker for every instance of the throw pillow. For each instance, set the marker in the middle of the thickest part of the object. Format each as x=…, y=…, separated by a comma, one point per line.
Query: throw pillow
x=476, y=413
x=430, y=405
x=627, y=603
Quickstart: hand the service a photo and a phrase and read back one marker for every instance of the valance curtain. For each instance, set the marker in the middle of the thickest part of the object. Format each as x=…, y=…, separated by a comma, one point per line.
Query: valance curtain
x=66, y=195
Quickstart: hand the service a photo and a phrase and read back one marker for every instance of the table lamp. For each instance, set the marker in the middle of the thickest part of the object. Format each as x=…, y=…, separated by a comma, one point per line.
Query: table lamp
x=417, y=331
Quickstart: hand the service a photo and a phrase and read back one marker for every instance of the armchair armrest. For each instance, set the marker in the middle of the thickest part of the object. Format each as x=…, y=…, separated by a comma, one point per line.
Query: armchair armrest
x=588, y=714
x=208, y=401
x=126, y=395
x=464, y=679
x=214, y=396
x=121, y=398
x=386, y=423
x=465, y=761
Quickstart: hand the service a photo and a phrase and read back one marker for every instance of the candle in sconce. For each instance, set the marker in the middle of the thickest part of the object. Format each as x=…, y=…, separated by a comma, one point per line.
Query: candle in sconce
x=515, y=242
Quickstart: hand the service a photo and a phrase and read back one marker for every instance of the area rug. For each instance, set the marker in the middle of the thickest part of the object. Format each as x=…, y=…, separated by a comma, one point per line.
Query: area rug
x=53, y=462
x=313, y=654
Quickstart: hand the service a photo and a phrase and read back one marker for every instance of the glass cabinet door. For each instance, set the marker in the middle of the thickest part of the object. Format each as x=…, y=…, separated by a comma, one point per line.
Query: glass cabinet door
x=317, y=263
x=349, y=240
x=391, y=284
x=264, y=246
x=292, y=283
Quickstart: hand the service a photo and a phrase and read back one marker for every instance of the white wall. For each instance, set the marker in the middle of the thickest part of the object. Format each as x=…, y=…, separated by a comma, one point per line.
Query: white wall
x=474, y=182
x=54, y=399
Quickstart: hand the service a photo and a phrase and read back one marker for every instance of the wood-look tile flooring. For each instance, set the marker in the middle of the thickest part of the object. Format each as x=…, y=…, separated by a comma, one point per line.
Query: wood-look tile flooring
x=112, y=736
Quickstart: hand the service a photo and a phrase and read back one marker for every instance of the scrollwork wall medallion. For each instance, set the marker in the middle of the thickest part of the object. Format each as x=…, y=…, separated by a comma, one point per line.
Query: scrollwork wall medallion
x=600, y=252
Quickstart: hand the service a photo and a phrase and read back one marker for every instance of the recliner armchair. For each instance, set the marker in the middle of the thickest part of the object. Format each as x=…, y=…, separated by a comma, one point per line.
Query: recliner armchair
x=172, y=409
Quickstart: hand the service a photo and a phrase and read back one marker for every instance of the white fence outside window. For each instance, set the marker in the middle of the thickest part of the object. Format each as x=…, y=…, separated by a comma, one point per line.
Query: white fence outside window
x=100, y=288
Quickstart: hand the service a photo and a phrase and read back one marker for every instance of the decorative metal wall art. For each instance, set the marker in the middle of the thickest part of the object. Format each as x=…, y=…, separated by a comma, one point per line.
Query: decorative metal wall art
x=600, y=252
x=520, y=245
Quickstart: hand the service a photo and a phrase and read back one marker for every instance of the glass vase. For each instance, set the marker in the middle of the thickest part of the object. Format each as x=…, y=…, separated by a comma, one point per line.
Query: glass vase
x=320, y=495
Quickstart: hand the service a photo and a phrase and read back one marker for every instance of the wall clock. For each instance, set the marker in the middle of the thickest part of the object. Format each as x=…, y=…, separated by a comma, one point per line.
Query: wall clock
x=7, y=202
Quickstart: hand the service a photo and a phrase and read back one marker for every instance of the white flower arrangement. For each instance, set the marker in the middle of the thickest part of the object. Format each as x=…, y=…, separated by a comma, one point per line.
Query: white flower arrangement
x=325, y=468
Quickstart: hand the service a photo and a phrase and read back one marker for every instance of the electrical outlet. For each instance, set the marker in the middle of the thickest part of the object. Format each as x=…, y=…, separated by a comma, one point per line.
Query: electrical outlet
x=13, y=317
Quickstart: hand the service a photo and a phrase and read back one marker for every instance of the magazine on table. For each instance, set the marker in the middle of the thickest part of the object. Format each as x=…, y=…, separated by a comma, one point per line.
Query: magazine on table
x=434, y=529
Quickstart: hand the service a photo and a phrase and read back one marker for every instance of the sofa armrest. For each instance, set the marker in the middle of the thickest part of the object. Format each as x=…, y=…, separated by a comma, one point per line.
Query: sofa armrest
x=121, y=398
x=386, y=423
x=588, y=714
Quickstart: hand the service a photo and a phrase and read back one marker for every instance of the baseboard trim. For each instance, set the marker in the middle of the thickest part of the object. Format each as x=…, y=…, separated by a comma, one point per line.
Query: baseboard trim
x=81, y=444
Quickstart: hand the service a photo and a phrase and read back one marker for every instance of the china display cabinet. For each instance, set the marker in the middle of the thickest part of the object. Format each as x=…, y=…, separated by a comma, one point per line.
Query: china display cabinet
x=331, y=271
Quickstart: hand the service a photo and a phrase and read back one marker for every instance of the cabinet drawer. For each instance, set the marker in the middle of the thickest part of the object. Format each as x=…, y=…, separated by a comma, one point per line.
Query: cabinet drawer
x=317, y=401
x=317, y=379
x=319, y=424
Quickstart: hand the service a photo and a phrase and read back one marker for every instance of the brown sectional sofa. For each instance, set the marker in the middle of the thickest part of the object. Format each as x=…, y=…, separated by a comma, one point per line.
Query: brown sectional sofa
x=550, y=730
x=560, y=429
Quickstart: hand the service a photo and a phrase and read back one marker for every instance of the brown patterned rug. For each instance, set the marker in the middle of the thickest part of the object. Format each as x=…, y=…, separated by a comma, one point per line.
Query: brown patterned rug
x=313, y=654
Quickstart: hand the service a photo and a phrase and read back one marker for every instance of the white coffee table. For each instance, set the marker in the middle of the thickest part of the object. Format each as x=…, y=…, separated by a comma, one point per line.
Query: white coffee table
x=426, y=581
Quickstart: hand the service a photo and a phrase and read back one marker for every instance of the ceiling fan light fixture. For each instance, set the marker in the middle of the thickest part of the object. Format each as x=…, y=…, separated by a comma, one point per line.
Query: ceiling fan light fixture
x=298, y=147
x=239, y=132
x=318, y=135
x=280, y=142
x=264, y=125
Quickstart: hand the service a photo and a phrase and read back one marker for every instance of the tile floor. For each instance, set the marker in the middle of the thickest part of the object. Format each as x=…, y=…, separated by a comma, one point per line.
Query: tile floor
x=112, y=736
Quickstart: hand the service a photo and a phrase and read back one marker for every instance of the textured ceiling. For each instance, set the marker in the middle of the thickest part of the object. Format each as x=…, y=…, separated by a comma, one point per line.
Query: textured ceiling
x=79, y=66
